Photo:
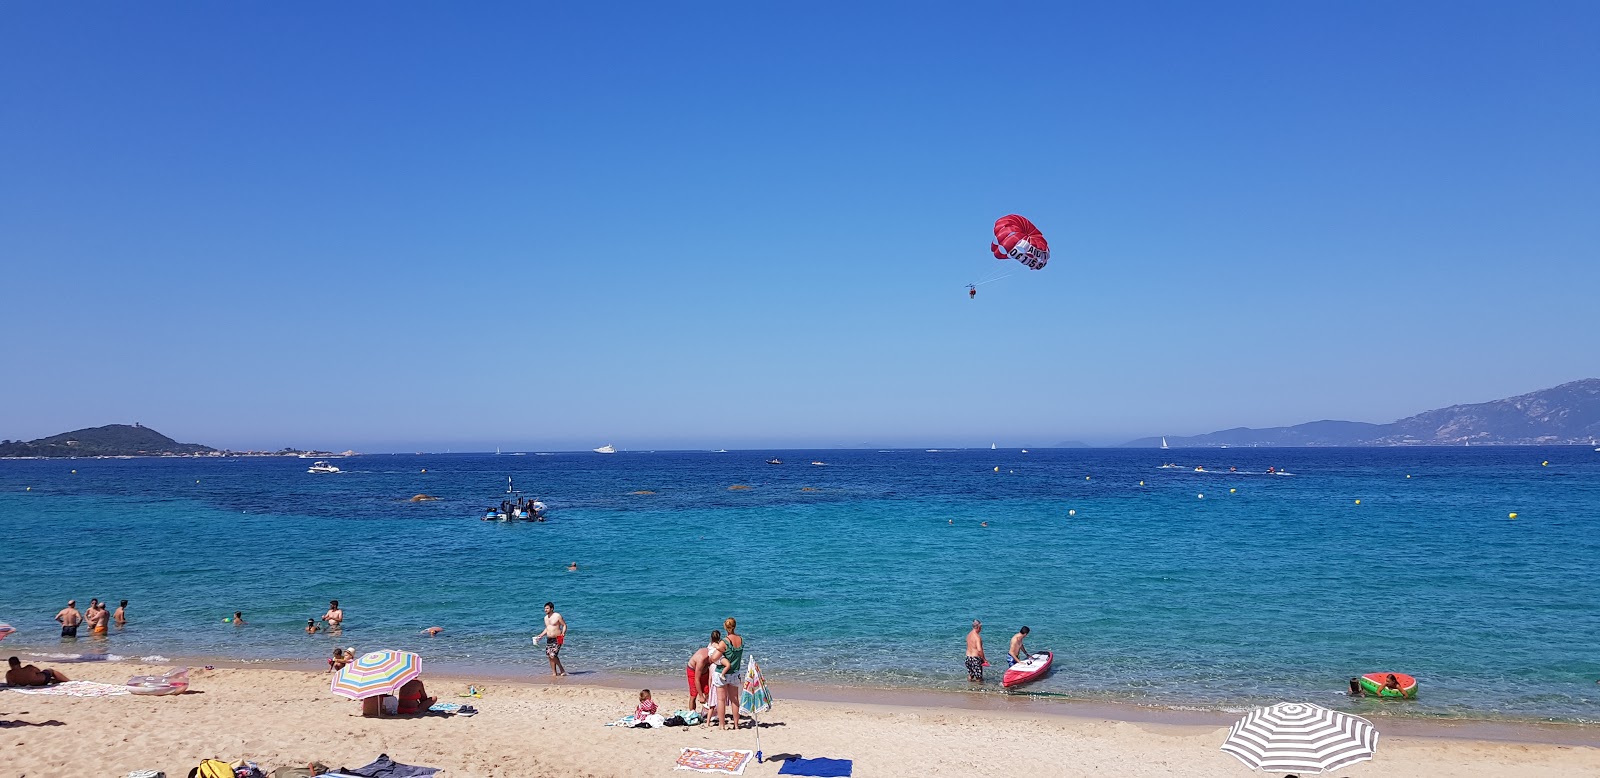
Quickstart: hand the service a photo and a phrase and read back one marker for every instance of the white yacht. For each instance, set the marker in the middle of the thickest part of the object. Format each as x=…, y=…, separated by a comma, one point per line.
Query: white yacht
x=606, y=449
x=1163, y=443
x=322, y=467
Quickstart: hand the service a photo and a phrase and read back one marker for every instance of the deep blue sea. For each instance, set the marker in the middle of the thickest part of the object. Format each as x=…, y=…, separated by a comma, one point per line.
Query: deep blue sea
x=867, y=571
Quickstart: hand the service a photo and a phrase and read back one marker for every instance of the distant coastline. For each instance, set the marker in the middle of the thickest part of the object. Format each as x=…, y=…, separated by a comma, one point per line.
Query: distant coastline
x=128, y=441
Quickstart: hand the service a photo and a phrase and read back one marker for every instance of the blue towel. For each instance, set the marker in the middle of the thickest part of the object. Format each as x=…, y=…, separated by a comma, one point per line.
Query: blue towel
x=828, y=768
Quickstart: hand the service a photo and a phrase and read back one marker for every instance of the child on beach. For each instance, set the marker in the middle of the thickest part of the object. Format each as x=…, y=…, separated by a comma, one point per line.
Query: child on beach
x=647, y=706
x=339, y=660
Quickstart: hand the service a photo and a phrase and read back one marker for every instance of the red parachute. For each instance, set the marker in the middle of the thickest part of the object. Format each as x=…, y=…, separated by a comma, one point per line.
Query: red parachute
x=1017, y=238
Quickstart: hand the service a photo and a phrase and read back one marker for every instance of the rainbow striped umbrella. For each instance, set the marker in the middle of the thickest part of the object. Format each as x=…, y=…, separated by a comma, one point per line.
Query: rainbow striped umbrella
x=5, y=630
x=380, y=672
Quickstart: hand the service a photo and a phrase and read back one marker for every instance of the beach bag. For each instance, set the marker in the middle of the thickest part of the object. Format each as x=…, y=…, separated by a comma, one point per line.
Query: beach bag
x=212, y=768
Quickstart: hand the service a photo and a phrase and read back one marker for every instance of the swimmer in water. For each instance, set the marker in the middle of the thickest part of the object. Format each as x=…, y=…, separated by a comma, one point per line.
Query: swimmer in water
x=433, y=631
x=572, y=568
x=986, y=524
x=238, y=618
x=311, y=626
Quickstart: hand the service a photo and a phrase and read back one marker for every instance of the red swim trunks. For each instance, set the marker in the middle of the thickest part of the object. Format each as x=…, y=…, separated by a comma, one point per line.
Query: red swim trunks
x=694, y=686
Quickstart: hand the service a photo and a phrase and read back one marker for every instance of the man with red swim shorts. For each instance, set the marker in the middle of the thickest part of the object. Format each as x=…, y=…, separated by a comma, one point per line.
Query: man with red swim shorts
x=555, y=635
x=699, y=673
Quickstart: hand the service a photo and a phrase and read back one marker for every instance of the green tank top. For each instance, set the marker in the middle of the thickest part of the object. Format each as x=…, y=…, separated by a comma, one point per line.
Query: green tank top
x=734, y=655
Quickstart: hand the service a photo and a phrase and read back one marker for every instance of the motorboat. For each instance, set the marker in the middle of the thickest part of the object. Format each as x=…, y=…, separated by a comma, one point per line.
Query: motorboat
x=774, y=461
x=606, y=449
x=321, y=467
x=820, y=463
x=518, y=509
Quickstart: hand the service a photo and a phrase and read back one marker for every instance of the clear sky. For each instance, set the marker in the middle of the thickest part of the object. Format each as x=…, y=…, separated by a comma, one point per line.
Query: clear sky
x=408, y=225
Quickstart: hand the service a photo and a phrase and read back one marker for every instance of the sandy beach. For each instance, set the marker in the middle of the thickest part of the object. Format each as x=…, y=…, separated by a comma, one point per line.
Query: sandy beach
x=287, y=717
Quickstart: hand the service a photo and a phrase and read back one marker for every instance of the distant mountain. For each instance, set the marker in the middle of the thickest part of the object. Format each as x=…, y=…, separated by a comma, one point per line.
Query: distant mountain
x=112, y=440
x=1566, y=414
x=1071, y=444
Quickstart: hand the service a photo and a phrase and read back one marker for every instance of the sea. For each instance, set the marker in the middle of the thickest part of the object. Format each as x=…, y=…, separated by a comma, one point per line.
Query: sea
x=1475, y=569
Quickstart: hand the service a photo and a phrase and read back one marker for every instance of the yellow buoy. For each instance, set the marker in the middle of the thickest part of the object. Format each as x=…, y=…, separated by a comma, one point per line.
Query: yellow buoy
x=1231, y=491
x=29, y=489
x=1086, y=478
x=1200, y=497
x=1141, y=483
x=997, y=468
x=74, y=471
x=424, y=469
x=1408, y=475
x=1513, y=514
x=1074, y=513
x=1358, y=502
x=197, y=480
x=1546, y=463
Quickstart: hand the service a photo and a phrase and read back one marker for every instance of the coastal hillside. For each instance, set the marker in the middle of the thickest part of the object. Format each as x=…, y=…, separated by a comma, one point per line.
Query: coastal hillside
x=1565, y=414
x=112, y=440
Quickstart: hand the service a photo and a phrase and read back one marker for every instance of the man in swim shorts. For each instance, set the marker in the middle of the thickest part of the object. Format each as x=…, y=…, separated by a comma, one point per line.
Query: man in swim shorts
x=975, y=656
x=28, y=675
x=98, y=617
x=70, y=618
x=555, y=635
x=699, y=672
x=1018, y=652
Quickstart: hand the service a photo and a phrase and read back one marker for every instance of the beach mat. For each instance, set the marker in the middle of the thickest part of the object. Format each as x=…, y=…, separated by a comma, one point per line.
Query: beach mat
x=703, y=760
x=825, y=768
x=74, y=689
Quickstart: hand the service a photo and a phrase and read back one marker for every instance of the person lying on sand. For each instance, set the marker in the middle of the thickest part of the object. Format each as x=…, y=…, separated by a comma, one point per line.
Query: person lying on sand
x=28, y=675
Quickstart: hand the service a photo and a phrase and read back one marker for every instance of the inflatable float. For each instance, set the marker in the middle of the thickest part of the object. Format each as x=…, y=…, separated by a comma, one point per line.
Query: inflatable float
x=174, y=682
x=1374, y=685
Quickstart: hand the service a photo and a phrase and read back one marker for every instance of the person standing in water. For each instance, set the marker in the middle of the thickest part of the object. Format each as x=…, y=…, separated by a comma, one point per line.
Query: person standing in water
x=1018, y=652
x=334, y=617
x=555, y=636
x=70, y=618
x=121, y=615
x=975, y=658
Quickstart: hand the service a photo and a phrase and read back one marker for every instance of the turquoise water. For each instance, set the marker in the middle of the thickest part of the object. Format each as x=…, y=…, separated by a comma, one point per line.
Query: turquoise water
x=1282, y=589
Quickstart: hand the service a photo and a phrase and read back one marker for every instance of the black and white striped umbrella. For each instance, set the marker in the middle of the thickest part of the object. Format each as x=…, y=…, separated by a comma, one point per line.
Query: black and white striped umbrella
x=1298, y=737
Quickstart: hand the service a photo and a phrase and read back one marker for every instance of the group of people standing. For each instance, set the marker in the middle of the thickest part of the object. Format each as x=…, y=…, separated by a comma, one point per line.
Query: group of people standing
x=98, y=617
x=714, y=676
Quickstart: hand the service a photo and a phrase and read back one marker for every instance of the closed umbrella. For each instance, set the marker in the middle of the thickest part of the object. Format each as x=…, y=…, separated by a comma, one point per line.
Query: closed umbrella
x=1296, y=737
x=754, y=697
x=379, y=672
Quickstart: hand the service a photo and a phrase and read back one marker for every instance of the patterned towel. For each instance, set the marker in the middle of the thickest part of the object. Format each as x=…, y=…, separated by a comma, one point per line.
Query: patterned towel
x=706, y=761
x=74, y=689
x=445, y=707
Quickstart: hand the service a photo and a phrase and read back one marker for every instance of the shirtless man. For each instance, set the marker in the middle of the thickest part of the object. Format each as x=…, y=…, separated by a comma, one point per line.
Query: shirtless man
x=1018, y=652
x=28, y=675
x=555, y=635
x=975, y=657
x=121, y=616
x=699, y=672
x=97, y=617
x=70, y=618
x=335, y=615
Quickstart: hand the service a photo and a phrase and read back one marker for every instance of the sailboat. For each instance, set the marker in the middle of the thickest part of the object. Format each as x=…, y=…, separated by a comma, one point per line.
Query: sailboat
x=606, y=449
x=991, y=446
x=1163, y=443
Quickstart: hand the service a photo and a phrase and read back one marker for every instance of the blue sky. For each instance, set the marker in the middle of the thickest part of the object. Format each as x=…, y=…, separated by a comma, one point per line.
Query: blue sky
x=417, y=225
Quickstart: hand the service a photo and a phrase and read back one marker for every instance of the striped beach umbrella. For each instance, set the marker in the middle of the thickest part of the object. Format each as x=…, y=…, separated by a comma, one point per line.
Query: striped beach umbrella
x=1297, y=737
x=5, y=630
x=380, y=672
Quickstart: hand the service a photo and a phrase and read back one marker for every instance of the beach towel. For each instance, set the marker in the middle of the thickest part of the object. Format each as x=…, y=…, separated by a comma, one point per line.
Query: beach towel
x=445, y=707
x=827, y=768
x=384, y=767
x=708, y=761
x=74, y=689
